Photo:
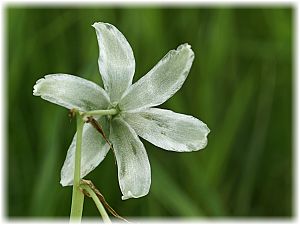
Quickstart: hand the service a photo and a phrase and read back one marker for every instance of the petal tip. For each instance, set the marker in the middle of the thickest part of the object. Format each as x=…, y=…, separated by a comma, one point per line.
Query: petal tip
x=207, y=131
x=185, y=45
x=129, y=195
x=36, y=87
x=95, y=24
x=63, y=183
x=65, y=180
x=101, y=25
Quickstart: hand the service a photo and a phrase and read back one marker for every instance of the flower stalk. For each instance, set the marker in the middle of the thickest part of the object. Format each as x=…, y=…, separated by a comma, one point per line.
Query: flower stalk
x=78, y=188
x=100, y=112
x=77, y=196
x=97, y=202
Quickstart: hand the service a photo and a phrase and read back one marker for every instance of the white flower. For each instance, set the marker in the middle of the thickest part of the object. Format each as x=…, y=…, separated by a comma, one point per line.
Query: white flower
x=134, y=102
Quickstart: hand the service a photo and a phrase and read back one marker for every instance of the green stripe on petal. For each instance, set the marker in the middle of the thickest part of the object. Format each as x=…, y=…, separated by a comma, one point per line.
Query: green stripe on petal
x=93, y=151
x=133, y=165
x=116, y=60
x=71, y=92
x=161, y=82
x=169, y=130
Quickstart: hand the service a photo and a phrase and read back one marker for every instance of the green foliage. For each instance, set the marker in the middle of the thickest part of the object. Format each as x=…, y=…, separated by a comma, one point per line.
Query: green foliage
x=240, y=85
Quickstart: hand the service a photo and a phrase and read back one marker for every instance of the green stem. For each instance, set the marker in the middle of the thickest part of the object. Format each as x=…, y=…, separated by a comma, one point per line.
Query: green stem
x=99, y=205
x=100, y=112
x=77, y=197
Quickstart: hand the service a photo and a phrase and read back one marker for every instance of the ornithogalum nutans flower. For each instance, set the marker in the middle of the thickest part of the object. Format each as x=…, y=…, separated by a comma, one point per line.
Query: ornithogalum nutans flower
x=134, y=104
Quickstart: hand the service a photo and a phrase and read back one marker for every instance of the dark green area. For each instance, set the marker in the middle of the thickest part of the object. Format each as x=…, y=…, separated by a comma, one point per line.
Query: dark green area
x=240, y=85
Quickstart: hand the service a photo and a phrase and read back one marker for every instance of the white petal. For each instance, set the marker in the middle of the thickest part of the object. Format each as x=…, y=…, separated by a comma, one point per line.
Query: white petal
x=169, y=130
x=133, y=165
x=116, y=60
x=71, y=92
x=93, y=150
x=160, y=83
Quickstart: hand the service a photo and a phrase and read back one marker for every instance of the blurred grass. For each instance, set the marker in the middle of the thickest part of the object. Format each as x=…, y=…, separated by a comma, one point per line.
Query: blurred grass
x=240, y=85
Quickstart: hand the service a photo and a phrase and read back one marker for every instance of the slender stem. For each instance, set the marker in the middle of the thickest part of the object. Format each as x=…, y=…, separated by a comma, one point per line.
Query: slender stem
x=99, y=205
x=78, y=196
x=100, y=112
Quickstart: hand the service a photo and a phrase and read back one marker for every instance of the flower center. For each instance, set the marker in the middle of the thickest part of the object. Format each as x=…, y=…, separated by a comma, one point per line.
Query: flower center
x=115, y=106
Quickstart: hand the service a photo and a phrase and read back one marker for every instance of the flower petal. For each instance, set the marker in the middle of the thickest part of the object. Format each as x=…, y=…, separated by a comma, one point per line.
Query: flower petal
x=161, y=82
x=116, y=60
x=169, y=130
x=133, y=165
x=93, y=151
x=71, y=92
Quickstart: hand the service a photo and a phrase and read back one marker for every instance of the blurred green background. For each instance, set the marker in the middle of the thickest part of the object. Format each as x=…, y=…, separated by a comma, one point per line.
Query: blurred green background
x=240, y=85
